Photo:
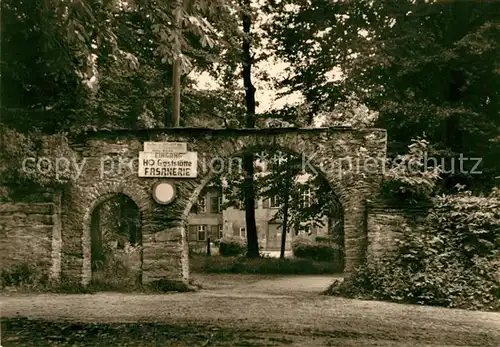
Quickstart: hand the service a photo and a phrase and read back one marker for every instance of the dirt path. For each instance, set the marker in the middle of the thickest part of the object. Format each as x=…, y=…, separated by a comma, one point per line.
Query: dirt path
x=262, y=284
x=297, y=318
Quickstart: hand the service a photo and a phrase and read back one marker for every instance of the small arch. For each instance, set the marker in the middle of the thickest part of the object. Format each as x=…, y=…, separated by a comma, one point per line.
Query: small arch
x=88, y=225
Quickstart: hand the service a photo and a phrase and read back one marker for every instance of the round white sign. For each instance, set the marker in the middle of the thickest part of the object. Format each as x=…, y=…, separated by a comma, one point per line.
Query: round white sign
x=164, y=192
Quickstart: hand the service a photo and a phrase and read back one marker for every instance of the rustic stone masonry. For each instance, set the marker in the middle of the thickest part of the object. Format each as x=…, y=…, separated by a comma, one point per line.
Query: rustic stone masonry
x=58, y=234
x=386, y=223
x=337, y=153
x=31, y=233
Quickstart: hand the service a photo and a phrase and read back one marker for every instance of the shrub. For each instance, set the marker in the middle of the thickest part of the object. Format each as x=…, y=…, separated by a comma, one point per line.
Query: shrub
x=25, y=275
x=411, y=181
x=455, y=262
x=325, y=239
x=119, y=272
x=242, y=265
x=232, y=246
x=305, y=247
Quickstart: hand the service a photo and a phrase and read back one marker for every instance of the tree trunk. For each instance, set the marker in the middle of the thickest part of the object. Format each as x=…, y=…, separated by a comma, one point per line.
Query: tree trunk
x=176, y=81
x=285, y=224
x=249, y=193
x=251, y=225
x=286, y=196
x=176, y=100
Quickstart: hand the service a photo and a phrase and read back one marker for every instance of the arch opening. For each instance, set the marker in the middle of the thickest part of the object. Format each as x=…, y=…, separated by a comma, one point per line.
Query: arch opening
x=209, y=216
x=115, y=235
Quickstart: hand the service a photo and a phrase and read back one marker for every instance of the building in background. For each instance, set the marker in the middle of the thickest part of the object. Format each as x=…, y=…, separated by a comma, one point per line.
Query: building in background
x=209, y=220
x=206, y=217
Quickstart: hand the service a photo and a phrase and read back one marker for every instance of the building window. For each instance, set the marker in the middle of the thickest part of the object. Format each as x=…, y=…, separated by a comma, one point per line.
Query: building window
x=219, y=204
x=243, y=232
x=202, y=233
x=221, y=231
x=274, y=202
x=306, y=198
x=202, y=205
x=214, y=204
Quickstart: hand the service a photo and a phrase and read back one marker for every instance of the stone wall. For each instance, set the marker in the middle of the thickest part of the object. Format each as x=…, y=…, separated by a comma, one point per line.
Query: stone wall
x=386, y=223
x=334, y=152
x=31, y=234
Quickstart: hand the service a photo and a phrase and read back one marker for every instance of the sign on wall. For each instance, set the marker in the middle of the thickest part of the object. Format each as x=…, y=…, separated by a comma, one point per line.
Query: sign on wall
x=168, y=164
x=164, y=192
x=177, y=147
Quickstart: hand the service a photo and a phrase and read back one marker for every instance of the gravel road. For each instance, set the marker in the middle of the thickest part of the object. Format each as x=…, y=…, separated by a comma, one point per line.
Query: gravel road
x=259, y=303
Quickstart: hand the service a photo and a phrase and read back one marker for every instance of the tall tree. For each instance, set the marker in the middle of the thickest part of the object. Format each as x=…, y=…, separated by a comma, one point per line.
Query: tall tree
x=80, y=58
x=248, y=158
x=426, y=66
x=305, y=199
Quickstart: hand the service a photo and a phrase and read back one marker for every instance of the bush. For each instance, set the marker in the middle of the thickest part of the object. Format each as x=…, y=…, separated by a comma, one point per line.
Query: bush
x=241, y=265
x=411, y=181
x=454, y=263
x=119, y=272
x=305, y=247
x=25, y=276
x=198, y=248
x=326, y=239
x=232, y=246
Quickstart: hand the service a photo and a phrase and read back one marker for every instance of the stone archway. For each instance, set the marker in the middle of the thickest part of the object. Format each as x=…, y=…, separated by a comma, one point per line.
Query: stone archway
x=349, y=193
x=87, y=227
x=115, y=242
x=340, y=154
x=79, y=203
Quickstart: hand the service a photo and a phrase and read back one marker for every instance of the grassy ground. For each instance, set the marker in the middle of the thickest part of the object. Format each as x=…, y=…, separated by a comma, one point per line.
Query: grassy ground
x=265, y=265
x=23, y=332
x=253, y=311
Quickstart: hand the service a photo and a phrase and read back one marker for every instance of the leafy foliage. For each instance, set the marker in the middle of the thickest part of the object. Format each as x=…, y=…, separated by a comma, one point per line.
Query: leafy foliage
x=350, y=112
x=454, y=263
x=409, y=179
x=305, y=247
x=424, y=66
x=264, y=265
x=232, y=246
x=68, y=65
x=287, y=179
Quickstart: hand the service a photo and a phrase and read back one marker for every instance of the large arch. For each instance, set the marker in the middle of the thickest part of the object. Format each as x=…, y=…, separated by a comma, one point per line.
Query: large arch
x=335, y=186
x=352, y=203
x=340, y=155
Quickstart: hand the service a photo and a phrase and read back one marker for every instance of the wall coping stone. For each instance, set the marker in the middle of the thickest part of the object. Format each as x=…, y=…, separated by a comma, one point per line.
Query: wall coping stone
x=223, y=132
